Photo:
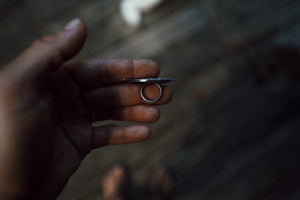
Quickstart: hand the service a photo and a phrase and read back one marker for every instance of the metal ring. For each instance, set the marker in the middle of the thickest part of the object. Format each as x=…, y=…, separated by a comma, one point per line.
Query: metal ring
x=147, y=100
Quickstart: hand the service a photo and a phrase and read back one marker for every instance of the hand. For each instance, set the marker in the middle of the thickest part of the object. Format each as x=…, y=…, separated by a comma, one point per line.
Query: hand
x=45, y=106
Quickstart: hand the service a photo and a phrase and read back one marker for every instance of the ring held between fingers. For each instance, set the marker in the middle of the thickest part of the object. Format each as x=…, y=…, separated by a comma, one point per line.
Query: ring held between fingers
x=101, y=72
x=124, y=95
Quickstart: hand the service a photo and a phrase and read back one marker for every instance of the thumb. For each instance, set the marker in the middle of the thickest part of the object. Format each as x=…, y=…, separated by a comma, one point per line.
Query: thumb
x=49, y=52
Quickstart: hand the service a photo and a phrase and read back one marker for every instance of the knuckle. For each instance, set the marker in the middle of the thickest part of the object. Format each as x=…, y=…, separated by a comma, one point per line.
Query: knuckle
x=44, y=42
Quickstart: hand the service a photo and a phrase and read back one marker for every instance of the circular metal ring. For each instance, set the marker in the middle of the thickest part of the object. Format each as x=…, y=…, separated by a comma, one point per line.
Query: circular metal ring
x=147, y=100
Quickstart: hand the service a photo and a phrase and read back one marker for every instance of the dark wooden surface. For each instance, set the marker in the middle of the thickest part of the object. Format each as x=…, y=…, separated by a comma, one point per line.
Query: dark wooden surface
x=232, y=130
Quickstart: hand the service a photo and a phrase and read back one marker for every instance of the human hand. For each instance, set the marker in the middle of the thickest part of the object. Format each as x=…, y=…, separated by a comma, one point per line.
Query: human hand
x=45, y=106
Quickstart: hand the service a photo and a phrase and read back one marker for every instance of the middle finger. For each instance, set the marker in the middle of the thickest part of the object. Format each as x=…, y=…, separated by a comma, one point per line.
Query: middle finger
x=124, y=95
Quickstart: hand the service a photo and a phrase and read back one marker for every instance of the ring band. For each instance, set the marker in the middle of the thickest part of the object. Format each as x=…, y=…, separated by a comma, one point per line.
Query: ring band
x=154, y=100
x=147, y=81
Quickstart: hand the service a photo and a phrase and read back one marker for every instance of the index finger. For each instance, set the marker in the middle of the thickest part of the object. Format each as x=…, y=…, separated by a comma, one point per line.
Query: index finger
x=95, y=73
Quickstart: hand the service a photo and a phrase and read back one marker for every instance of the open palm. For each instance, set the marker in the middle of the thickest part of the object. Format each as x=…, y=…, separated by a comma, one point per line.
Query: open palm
x=46, y=112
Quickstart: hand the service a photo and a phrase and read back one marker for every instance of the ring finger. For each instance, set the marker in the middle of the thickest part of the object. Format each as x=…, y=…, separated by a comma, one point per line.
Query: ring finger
x=124, y=95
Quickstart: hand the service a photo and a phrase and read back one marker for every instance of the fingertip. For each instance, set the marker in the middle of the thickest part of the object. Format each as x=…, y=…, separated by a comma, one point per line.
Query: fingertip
x=116, y=135
x=82, y=29
x=154, y=65
x=148, y=65
x=76, y=24
x=72, y=24
x=153, y=114
x=144, y=113
x=78, y=29
x=138, y=133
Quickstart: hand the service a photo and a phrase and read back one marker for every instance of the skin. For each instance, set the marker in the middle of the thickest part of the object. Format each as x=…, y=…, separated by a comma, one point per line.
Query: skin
x=115, y=184
x=45, y=104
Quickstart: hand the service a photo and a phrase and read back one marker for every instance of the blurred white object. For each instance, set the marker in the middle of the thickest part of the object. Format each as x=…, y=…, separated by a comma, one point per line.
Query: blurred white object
x=132, y=10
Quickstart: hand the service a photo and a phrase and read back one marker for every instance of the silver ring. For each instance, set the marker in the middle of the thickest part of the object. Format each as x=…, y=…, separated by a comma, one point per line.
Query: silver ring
x=147, y=100
x=146, y=81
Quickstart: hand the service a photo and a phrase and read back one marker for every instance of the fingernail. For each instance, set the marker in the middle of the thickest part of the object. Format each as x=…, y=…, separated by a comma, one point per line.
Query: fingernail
x=73, y=23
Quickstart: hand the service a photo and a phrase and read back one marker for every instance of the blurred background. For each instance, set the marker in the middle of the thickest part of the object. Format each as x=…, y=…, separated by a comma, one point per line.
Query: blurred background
x=232, y=129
